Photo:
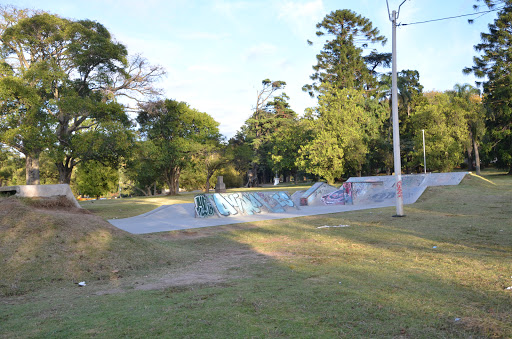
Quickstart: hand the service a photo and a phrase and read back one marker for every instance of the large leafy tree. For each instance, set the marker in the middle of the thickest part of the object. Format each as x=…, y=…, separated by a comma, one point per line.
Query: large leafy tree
x=467, y=99
x=95, y=179
x=271, y=114
x=342, y=128
x=494, y=67
x=142, y=168
x=341, y=62
x=409, y=91
x=445, y=126
x=177, y=133
x=59, y=80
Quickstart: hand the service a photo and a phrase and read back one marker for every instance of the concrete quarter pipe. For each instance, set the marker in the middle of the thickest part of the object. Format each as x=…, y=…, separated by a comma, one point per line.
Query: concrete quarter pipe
x=211, y=210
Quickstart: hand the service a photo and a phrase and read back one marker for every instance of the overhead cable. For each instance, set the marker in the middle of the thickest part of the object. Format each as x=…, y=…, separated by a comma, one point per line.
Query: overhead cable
x=451, y=17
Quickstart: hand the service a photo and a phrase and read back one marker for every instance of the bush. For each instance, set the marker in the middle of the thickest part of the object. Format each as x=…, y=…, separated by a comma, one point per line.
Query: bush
x=232, y=178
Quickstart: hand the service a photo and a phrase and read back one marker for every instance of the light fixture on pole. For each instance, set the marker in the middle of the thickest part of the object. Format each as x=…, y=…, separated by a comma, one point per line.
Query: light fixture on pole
x=424, y=154
x=396, y=135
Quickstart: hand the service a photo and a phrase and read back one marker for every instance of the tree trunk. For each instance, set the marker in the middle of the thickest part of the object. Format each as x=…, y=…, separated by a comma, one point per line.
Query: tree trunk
x=32, y=169
x=207, y=189
x=470, y=158
x=64, y=173
x=173, y=180
x=477, y=156
x=469, y=150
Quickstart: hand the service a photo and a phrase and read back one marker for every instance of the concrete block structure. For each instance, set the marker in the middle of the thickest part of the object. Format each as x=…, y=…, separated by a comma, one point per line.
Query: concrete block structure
x=41, y=191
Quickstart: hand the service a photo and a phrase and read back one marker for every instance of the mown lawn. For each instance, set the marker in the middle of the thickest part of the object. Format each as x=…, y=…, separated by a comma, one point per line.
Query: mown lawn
x=440, y=272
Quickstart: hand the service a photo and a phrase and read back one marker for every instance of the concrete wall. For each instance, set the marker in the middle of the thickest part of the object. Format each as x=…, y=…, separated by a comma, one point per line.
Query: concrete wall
x=41, y=191
x=240, y=204
x=312, y=196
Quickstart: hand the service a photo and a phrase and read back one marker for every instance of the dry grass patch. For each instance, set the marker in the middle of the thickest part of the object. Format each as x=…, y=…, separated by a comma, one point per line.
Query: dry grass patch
x=44, y=243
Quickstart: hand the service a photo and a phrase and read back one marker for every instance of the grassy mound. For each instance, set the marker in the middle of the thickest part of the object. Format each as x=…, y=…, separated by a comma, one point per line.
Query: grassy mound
x=49, y=242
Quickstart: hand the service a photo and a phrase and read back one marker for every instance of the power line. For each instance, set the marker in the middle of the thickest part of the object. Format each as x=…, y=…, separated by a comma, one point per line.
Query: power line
x=451, y=17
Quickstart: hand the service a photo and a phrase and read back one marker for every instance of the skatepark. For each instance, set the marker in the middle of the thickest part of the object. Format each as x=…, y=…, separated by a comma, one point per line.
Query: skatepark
x=217, y=209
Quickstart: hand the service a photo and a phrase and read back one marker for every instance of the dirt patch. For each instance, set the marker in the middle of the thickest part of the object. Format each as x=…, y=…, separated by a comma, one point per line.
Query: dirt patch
x=203, y=232
x=221, y=268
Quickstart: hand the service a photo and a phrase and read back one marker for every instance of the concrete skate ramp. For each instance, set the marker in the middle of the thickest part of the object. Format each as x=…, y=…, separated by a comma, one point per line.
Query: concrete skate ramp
x=381, y=189
x=367, y=193
x=444, y=179
x=313, y=195
x=182, y=216
x=242, y=203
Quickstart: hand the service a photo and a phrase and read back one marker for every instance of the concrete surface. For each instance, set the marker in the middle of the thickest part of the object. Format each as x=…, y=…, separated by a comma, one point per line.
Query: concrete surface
x=41, y=191
x=376, y=192
x=181, y=216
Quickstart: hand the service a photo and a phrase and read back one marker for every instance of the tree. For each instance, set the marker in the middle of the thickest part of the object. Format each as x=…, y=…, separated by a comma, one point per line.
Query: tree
x=142, y=167
x=494, y=67
x=95, y=179
x=212, y=159
x=345, y=123
x=286, y=142
x=445, y=128
x=11, y=167
x=177, y=132
x=71, y=73
x=341, y=63
x=271, y=113
x=467, y=98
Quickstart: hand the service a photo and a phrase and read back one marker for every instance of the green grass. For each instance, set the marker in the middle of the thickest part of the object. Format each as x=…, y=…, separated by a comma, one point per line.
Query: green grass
x=381, y=277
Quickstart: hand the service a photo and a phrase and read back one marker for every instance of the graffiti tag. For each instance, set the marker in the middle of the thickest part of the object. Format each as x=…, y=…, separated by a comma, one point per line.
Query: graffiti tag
x=399, y=191
x=204, y=208
x=242, y=203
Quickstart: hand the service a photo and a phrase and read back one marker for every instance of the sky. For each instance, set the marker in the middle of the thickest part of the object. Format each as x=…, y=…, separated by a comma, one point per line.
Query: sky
x=217, y=52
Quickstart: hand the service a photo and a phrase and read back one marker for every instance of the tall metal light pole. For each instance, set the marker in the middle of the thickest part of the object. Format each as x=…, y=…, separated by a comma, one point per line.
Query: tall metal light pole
x=396, y=134
x=424, y=154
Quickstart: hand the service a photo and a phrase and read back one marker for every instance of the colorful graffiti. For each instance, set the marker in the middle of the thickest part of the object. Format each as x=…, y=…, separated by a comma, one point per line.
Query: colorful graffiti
x=234, y=204
x=343, y=196
x=203, y=206
x=315, y=192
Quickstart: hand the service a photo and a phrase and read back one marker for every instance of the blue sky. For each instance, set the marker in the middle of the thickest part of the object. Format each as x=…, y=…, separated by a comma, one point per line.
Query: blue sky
x=217, y=52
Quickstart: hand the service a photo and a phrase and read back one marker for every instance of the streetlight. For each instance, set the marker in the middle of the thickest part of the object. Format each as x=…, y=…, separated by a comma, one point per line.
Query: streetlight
x=396, y=136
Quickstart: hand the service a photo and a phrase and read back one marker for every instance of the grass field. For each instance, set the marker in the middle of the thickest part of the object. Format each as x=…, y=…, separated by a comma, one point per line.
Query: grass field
x=440, y=272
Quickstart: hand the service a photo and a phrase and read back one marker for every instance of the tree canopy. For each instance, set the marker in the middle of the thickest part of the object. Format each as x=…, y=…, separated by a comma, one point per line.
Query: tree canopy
x=341, y=62
x=59, y=79
x=177, y=132
x=494, y=67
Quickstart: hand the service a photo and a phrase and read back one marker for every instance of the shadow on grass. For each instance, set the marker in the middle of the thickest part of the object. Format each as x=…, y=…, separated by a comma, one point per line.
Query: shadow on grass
x=378, y=277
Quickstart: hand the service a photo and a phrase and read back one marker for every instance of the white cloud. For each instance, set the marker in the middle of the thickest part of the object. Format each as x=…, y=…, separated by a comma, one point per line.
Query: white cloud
x=228, y=8
x=205, y=36
x=210, y=69
x=261, y=50
x=302, y=16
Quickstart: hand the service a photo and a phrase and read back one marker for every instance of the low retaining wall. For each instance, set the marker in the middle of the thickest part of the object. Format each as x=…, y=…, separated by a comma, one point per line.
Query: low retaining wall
x=41, y=191
x=239, y=204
